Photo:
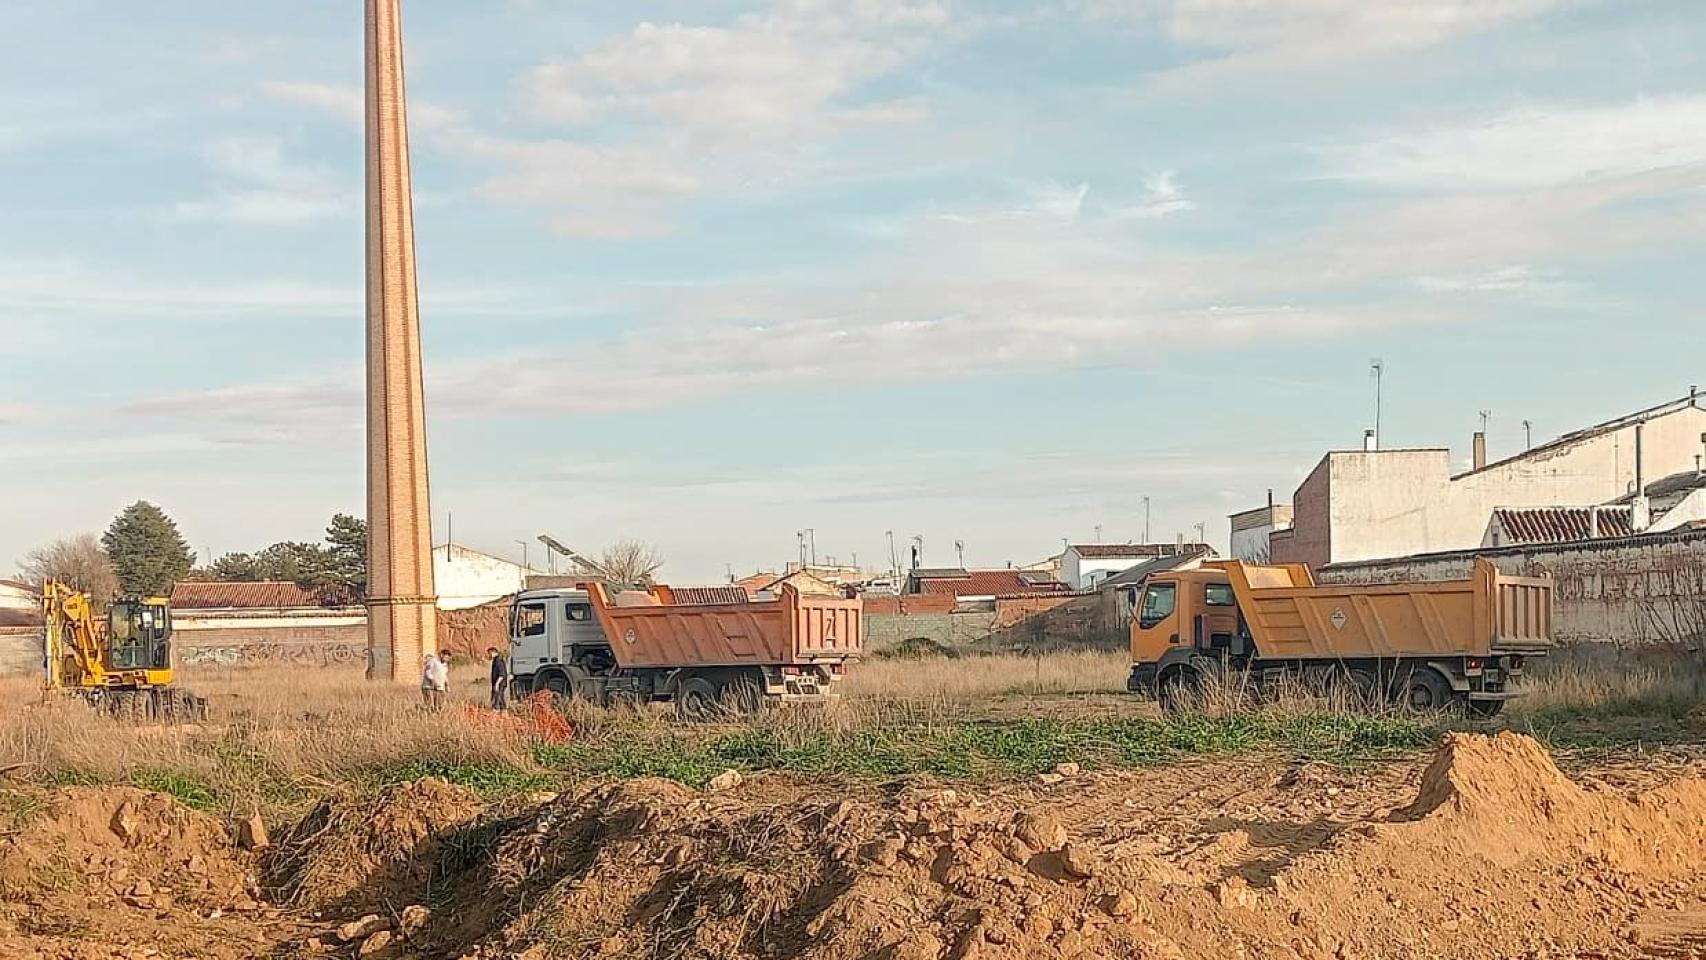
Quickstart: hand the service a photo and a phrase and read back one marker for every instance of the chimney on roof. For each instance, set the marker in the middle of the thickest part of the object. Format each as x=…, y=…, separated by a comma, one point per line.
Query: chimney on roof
x=1480, y=444
x=1593, y=522
x=1640, y=510
x=1369, y=443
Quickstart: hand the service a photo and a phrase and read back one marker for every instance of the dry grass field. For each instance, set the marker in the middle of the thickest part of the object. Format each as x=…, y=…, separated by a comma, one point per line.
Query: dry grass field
x=277, y=736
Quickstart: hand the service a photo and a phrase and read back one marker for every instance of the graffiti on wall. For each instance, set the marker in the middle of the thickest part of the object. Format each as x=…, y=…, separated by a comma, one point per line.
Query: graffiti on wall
x=306, y=654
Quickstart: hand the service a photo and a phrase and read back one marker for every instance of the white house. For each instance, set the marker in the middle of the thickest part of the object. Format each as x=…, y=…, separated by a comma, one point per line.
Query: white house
x=468, y=578
x=1085, y=565
x=1253, y=529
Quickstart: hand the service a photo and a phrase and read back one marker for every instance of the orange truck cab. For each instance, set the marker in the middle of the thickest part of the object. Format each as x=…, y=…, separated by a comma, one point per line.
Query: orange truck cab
x=1429, y=645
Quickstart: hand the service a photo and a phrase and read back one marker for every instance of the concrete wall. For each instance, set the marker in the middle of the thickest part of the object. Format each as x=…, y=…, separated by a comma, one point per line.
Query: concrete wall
x=1310, y=538
x=468, y=578
x=20, y=652
x=307, y=638
x=1641, y=589
x=1016, y=623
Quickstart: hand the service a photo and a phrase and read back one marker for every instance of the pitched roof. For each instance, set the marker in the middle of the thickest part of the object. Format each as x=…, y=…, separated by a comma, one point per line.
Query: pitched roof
x=223, y=595
x=990, y=583
x=1148, y=568
x=1121, y=551
x=730, y=593
x=1562, y=524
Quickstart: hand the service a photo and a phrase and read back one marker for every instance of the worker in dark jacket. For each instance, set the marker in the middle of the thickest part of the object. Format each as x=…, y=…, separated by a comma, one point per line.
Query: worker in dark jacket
x=500, y=679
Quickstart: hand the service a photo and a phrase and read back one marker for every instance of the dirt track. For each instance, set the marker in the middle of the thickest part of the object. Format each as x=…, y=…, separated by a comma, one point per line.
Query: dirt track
x=1486, y=852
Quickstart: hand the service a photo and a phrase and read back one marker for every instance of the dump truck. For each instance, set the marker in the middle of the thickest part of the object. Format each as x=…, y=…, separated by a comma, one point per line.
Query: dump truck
x=642, y=645
x=1457, y=644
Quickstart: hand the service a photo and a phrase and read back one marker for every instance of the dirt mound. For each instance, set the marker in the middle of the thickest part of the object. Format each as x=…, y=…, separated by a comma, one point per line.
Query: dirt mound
x=1500, y=844
x=139, y=845
x=354, y=853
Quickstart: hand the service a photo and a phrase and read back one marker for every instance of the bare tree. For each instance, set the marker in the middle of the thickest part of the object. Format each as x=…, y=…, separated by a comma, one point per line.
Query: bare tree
x=80, y=561
x=631, y=563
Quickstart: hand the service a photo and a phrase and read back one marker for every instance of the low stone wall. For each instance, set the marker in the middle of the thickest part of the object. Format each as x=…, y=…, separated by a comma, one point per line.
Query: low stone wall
x=1642, y=589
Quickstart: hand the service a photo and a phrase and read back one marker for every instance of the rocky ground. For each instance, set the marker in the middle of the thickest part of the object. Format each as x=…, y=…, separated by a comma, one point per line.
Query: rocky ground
x=1486, y=850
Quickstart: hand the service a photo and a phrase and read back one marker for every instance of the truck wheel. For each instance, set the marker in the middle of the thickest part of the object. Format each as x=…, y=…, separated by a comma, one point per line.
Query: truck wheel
x=1425, y=691
x=557, y=685
x=695, y=699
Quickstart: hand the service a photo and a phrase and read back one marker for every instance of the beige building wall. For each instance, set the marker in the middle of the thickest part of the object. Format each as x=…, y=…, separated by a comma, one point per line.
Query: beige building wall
x=1364, y=505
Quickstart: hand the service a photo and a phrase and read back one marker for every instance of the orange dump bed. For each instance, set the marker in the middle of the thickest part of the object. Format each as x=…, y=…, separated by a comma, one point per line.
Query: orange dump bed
x=1289, y=615
x=790, y=630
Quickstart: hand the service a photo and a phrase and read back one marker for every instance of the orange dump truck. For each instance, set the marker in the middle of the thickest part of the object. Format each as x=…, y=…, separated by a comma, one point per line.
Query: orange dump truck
x=642, y=646
x=1457, y=643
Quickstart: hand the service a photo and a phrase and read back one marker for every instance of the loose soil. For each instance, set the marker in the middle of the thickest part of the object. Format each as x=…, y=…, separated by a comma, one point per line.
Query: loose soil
x=1486, y=850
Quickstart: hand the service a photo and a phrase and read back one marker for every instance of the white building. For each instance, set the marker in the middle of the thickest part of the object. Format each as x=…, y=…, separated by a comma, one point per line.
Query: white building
x=1253, y=529
x=1083, y=566
x=1371, y=504
x=18, y=596
x=468, y=578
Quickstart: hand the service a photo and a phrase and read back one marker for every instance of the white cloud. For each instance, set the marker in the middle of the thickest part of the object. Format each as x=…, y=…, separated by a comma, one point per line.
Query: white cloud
x=1538, y=146
x=1162, y=198
x=257, y=183
x=12, y=414
x=1269, y=41
x=766, y=74
x=32, y=286
x=1518, y=278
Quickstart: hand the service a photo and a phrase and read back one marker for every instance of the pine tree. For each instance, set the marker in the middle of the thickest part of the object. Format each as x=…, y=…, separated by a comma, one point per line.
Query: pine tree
x=148, y=553
x=346, y=556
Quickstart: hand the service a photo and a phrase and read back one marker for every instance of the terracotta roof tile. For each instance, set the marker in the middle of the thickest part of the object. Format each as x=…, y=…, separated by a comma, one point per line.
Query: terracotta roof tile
x=1562, y=524
x=221, y=595
x=991, y=583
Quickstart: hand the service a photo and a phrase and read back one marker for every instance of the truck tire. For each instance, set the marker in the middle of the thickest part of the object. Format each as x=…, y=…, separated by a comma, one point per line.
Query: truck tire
x=695, y=699
x=1425, y=690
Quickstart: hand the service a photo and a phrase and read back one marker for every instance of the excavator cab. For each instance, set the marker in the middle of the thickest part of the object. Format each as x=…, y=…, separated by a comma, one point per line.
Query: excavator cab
x=139, y=635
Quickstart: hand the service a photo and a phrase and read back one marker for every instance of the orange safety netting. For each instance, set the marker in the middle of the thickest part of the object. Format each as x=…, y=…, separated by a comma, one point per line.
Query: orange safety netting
x=535, y=718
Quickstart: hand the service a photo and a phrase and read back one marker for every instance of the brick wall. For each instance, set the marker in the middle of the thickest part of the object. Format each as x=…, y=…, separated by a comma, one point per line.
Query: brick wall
x=1641, y=589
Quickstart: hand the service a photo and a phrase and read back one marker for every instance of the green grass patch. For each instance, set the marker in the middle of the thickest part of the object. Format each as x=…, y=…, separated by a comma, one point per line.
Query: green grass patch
x=188, y=790
x=979, y=750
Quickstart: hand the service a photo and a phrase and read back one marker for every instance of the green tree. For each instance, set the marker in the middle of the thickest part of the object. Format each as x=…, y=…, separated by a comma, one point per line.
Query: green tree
x=235, y=567
x=299, y=563
x=147, y=552
x=345, y=556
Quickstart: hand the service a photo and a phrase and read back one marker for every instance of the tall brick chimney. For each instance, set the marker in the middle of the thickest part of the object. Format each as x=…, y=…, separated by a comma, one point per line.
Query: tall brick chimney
x=402, y=611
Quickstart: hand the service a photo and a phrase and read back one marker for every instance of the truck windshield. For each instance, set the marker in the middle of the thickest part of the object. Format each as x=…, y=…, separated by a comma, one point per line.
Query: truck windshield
x=1158, y=599
x=1218, y=595
x=529, y=620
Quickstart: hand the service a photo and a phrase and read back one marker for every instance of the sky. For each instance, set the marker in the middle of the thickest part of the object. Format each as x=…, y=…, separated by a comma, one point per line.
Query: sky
x=711, y=273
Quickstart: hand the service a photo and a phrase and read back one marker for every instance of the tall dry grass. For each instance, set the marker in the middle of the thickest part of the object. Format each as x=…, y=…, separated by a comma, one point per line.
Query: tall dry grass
x=278, y=736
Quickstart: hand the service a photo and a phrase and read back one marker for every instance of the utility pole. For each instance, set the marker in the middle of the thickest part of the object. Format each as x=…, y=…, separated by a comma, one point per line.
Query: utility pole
x=524, y=564
x=960, y=551
x=1098, y=533
x=1528, y=434
x=894, y=558
x=1145, y=519
x=1200, y=525
x=917, y=550
x=811, y=537
x=1377, y=367
x=801, y=536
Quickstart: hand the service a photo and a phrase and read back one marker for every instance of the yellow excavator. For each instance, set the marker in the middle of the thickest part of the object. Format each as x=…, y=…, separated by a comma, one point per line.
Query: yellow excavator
x=125, y=669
